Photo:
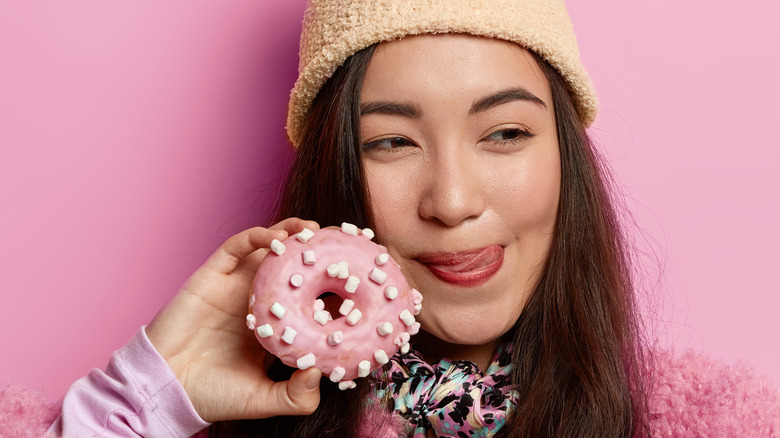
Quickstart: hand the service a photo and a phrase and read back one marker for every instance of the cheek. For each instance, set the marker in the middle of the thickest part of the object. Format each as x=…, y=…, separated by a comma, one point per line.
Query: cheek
x=528, y=192
x=391, y=197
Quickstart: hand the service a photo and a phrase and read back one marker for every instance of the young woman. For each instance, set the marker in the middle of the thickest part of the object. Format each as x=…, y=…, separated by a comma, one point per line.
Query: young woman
x=455, y=130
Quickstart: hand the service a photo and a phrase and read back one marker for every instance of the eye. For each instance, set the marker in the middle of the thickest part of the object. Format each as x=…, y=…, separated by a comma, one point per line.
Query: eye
x=509, y=135
x=388, y=143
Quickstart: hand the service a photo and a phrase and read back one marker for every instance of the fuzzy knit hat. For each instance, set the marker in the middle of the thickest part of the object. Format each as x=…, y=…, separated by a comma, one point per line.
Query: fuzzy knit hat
x=333, y=30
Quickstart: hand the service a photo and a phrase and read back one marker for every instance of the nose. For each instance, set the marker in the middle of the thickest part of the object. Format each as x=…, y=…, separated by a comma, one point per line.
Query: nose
x=452, y=189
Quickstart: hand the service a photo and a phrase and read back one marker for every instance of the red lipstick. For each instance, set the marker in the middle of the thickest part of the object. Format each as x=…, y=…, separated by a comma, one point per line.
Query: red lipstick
x=465, y=269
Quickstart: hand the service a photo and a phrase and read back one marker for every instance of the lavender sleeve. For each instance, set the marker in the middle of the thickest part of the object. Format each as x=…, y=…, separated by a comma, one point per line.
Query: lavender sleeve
x=137, y=395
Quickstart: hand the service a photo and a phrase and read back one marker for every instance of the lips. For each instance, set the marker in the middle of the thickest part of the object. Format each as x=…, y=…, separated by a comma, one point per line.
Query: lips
x=465, y=269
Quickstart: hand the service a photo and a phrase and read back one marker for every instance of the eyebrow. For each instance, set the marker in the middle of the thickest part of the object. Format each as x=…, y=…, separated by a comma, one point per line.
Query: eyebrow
x=391, y=108
x=413, y=111
x=504, y=96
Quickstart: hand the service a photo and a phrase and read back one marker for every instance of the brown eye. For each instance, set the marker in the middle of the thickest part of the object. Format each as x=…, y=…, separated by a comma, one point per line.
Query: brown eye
x=512, y=134
x=388, y=143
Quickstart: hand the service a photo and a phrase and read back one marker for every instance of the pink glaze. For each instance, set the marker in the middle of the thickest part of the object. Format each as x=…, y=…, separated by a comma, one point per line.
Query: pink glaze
x=360, y=341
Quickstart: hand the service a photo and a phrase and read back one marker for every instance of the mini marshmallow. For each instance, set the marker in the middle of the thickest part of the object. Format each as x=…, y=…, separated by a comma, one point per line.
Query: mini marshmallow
x=352, y=284
x=391, y=292
x=333, y=270
x=343, y=270
x=401, y=339
x=368, y=232
x=278, y=310
x=381, y=259
x=309, y=257
x=305, y=235
x=364, y=367
x=336, y=337
x=417, y=309
x=265, y=331
x=305, y=362
x=417, y=297
x=384, y=328
x=289, y=335
x=321, y=316
x=319, y=304
x=377, y=276
x=354, y=316
x=407, y=317
x=404, y=348
x=277, y=247
x=251, y=321
x=296, y=280
x=381, y=357
x=347, y=384
x=414, y=328
x=346, y=307
x=349, y=229
x=337, y=374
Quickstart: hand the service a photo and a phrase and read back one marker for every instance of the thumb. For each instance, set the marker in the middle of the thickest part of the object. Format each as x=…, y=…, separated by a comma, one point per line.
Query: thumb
x=303, y=391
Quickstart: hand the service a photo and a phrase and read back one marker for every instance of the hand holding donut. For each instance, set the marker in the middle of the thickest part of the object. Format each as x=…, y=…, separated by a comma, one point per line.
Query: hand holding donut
x=202, y=334
x=334, y=300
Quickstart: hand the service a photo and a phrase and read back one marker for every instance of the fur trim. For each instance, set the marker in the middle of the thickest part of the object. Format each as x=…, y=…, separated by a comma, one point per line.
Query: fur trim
x=380, y=423
x=24, y=413
x=694, y=396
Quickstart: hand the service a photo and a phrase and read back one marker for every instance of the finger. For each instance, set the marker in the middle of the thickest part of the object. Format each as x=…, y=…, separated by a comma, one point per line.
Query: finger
x=298, y=396
x=294, y=225
x=227, y=257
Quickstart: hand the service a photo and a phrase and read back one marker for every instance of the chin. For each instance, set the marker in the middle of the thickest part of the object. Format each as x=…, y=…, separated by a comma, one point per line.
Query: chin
x=460, y=332
x=463, y=324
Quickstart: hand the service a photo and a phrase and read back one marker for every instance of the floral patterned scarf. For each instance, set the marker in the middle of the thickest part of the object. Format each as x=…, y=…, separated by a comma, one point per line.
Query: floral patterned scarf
x=451, y=398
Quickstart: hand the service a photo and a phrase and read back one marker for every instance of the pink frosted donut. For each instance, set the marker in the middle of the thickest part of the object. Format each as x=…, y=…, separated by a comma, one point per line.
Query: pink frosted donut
x=335, y=300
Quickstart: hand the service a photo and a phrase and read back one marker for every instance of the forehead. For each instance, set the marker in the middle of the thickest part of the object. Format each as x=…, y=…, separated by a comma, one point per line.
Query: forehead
x=450, y=66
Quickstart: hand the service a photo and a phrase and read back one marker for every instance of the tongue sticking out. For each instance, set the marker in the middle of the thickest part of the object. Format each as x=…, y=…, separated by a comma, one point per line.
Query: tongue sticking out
x=460, y=263
x=466, y=269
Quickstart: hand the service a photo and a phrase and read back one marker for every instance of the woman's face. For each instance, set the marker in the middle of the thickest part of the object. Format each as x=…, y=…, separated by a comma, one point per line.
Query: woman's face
x=461, y=158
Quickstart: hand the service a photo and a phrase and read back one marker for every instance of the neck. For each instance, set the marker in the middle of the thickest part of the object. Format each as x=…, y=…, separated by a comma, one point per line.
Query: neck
x=434, y=349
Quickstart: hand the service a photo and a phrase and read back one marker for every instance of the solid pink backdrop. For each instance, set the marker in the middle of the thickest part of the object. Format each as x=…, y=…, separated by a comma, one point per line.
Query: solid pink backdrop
x=136, y=136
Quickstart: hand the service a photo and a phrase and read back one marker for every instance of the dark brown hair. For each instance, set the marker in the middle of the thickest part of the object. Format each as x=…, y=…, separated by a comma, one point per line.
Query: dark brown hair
x=326, y=185
x=577, y=344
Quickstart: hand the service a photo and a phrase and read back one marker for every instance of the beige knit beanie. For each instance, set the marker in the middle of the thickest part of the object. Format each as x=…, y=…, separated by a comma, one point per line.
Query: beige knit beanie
x=333, y=30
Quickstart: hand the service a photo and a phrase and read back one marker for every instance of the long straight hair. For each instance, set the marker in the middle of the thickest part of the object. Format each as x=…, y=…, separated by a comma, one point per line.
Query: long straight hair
x=325, y=184
x=577, y=344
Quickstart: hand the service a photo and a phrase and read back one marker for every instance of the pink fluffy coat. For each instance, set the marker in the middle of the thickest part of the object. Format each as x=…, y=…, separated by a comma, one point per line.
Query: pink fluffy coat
x=692, y=396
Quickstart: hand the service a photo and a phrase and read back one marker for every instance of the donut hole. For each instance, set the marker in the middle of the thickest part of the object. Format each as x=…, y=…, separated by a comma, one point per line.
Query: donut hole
x=332, y=303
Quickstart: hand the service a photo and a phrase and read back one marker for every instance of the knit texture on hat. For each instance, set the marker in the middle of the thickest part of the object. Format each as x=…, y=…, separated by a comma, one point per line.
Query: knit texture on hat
x=333, y=30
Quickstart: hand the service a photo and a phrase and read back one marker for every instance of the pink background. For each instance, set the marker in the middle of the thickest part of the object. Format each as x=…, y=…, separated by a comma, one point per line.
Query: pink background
x=136, y=136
